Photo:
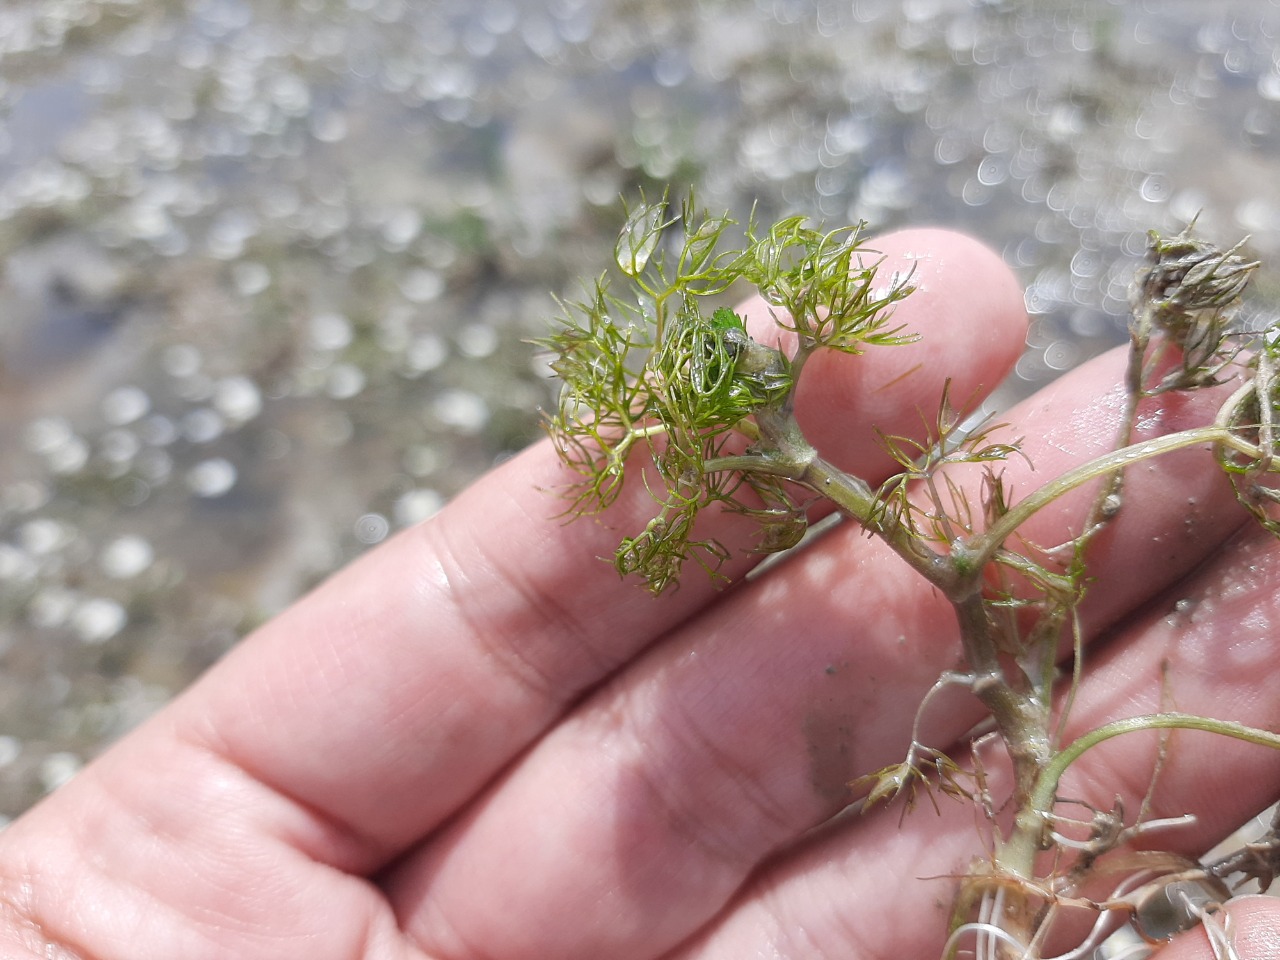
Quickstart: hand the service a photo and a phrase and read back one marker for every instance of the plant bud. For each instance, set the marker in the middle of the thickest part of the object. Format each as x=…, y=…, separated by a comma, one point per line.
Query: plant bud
x=1185, y=276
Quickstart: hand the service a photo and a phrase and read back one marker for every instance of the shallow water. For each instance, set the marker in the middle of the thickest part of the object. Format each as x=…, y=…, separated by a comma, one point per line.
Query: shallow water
x=268, y=267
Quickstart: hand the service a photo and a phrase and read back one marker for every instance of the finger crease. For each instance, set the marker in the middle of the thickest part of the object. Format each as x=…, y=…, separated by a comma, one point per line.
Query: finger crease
x=737, y=827
x=526, y=647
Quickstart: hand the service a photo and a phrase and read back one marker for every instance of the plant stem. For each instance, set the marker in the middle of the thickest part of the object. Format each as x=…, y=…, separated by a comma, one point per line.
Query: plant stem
x=1021, y=718
x=1017, y=854
x=1045, y=793
x=857, y=500
x=986, y=544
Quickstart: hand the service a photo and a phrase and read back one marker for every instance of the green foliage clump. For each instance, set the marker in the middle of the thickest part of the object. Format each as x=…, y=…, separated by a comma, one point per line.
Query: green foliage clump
x=653, y=362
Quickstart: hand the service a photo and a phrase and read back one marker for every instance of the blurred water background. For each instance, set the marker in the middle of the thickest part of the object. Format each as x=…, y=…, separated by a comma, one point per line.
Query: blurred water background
x=267, y=267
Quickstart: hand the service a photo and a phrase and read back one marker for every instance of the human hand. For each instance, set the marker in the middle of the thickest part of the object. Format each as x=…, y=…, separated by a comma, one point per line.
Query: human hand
x=477, y=743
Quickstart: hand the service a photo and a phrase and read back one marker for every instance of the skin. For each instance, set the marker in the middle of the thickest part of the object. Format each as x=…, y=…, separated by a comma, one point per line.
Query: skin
x=477, y=744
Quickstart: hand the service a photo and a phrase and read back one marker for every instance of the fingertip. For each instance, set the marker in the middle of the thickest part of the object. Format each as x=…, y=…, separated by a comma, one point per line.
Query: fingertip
x=967, y=299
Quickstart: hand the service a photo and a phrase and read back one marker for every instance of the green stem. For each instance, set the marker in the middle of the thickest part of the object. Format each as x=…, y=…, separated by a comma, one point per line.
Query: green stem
x=1043, y=797
x=990, y=541
x=618, y=451
x=1018, y=853
x=1229, y=409
x=788, y=454
x=753, y=463
x=856, y=499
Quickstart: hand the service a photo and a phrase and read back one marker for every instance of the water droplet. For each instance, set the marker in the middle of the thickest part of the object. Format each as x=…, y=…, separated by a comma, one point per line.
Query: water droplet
x=886, y=186
x=950, y=149
x=372, y=528
x=57, y=768
x=10, y=750
x=1061, y=355
x=124, y=405
x=464, y=411
x=422, y=285
x=43, y=536
x=47, y=434
x=203, y=425
x=670, y=69
x=402, y=228
x=229, y=232
x=477, y=340
x=975, y=193
x=119, y=446
x=158, y=431
x=331, y=331
x=146, y=222
x=211, y=478
x=1086, y=263
x=426, y=353
x=1156, y=188
x=69, y=457
x=181, y=360
x=237, y=398
x=1258, y=215
x=25, y=496
x=329, y=127
x=345, y=380
x=421, y=460
x=290, y=94
x=250, y=278
x=16, y=566
x=993, y=170
x=51, y=607
x=126, y=557
x=98, y=619
x=417, y=505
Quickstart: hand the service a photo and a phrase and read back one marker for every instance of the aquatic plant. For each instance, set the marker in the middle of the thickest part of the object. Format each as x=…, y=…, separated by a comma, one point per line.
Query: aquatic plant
x=661, y=383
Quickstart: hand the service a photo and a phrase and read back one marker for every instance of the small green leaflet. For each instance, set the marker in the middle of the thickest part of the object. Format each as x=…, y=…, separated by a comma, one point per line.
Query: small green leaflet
x=726, y=319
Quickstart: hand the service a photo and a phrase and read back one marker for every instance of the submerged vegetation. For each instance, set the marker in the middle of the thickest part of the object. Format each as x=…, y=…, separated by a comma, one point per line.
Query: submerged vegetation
x=661, y=382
